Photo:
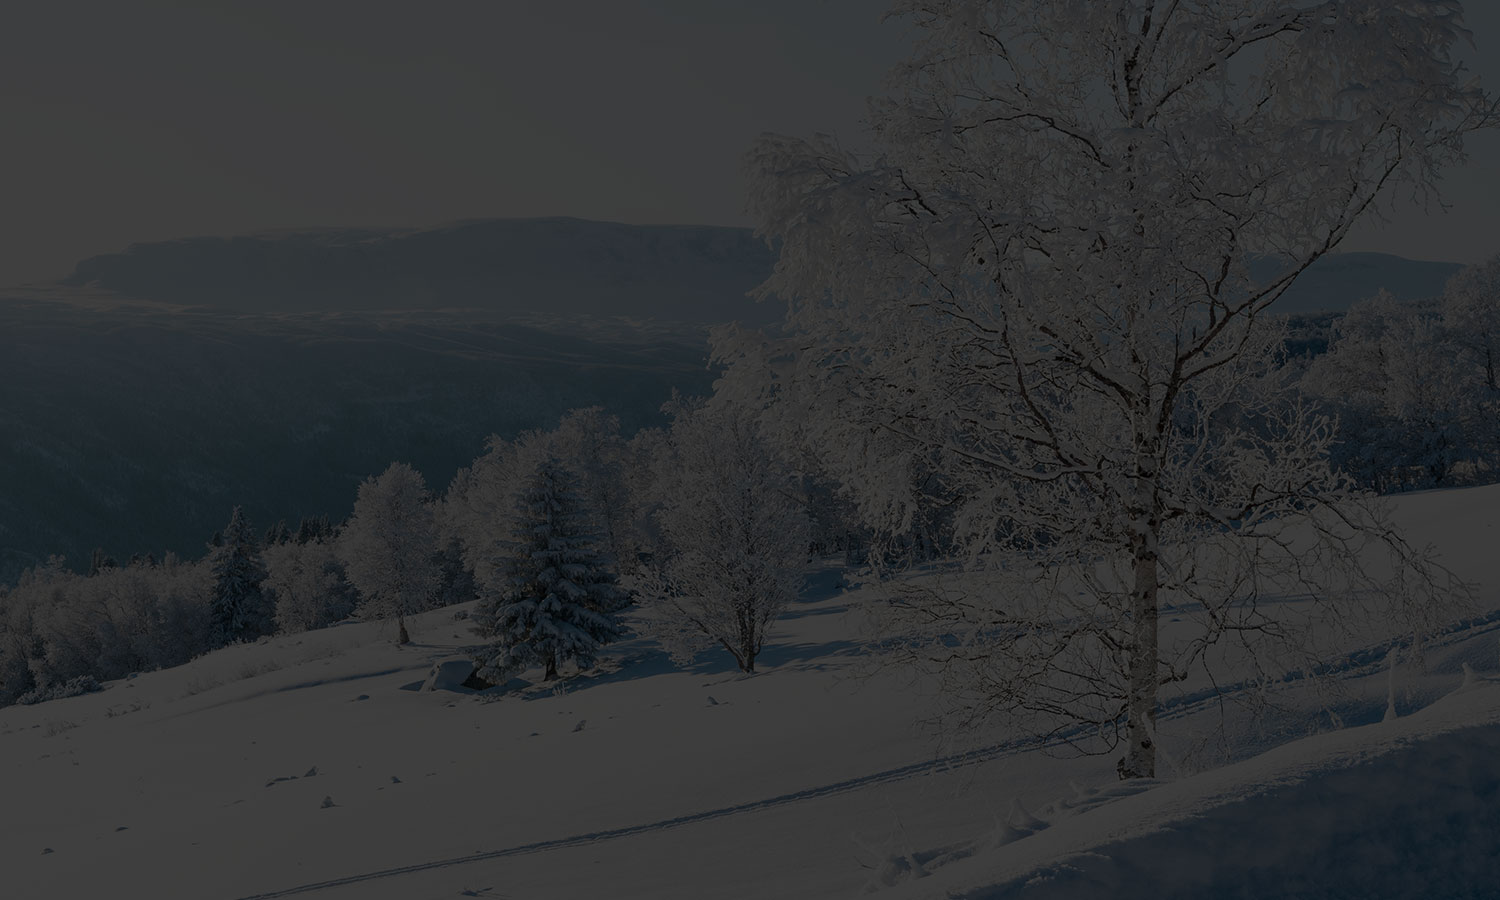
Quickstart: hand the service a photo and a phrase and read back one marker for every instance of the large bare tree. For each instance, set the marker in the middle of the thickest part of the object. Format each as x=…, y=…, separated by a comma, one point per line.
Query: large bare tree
x=1037, y=289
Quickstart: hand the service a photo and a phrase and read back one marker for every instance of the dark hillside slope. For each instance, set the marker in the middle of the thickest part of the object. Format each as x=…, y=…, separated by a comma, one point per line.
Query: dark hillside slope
x=137, y=429
x=1342, y=279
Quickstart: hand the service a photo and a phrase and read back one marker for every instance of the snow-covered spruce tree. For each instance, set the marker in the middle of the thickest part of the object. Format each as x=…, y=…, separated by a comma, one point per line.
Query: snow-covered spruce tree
x=733, y=535
x=552, y=596
x=478, y=509
x=1037, y=284
x=238, y=610
x=389, y=546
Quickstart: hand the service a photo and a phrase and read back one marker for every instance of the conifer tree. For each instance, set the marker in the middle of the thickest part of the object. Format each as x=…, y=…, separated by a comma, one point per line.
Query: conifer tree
x=278, y=534
x=238, y=609
x=554, y=596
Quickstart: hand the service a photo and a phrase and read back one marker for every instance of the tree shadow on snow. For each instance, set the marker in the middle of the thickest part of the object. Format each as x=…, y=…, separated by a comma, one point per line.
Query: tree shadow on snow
x=814, y=656
x=648, y=661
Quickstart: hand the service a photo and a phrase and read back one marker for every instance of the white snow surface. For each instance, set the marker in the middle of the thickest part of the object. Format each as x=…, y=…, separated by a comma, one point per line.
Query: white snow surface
x=312, y=765
x=1407, y=808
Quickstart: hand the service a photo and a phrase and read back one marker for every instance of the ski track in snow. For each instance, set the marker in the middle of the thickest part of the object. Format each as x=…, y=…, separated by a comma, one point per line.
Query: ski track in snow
x=299, y=686
x=1357, y=663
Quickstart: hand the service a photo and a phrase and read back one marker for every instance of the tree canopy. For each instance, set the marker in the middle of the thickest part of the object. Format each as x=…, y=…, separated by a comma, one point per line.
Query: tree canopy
x=1036, y=292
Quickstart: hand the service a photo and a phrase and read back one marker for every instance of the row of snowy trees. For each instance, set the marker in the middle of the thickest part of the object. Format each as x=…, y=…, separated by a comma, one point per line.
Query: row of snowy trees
x=57, y=626
x=60, y=628
x=1414, y=386
x=554, y=532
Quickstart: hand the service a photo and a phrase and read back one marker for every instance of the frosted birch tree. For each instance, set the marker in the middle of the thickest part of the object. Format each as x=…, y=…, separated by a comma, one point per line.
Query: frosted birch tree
x=479, y=507
x=309, y=584
x=732, y=535
x=1036, y=287
x=389, y=543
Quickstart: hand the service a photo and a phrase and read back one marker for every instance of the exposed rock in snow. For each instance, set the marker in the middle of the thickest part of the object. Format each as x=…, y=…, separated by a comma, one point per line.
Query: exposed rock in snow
x=449, y=675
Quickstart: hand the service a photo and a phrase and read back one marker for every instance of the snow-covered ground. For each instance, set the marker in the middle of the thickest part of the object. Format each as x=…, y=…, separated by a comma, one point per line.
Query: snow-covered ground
x=310, y=765
x=1405, y=808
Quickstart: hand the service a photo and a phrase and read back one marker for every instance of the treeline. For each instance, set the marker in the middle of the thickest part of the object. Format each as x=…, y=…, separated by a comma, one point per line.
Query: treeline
x=702, y=524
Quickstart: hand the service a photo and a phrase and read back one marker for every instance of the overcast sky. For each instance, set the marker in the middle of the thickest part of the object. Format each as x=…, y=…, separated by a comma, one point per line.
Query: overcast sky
x=136, y=120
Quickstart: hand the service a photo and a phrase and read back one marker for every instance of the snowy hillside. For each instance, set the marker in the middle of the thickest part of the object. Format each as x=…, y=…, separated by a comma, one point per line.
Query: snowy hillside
x=315, y=765
x=1405, y=808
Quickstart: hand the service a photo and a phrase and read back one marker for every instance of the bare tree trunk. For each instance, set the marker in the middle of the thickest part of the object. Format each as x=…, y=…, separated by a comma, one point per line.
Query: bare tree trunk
x=746, y=623
x=1142, y=649
x=1140, y=724
x=551, y=673
x=404, y=638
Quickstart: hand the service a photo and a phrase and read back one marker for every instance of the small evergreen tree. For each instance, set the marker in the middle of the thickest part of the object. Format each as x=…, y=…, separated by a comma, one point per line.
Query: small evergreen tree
x=100, y=561
x=456, y=583
x=553, y=598
x=316, y=529
x=278, y=534
x=238, y=609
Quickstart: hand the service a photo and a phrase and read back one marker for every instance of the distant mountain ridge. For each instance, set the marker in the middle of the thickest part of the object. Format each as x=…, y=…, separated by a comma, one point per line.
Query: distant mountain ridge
x=561, y=266
x=1340, y=280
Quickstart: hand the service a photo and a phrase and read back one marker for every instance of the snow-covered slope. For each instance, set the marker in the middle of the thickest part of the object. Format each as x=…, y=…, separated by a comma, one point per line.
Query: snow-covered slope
x=312, y=765
x=1404, y=808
